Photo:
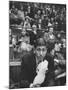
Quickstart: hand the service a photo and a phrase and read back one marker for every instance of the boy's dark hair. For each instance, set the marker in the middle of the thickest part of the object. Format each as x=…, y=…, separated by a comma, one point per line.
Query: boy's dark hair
x=40, y=42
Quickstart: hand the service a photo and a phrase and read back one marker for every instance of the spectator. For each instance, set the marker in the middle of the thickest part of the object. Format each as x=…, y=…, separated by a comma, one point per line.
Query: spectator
x=28, y=71
x=52, y=37
x=21, y=13
x=27, y=23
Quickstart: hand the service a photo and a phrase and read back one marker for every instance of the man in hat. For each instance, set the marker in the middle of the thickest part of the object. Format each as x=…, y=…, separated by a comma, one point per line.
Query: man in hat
x=37, y=68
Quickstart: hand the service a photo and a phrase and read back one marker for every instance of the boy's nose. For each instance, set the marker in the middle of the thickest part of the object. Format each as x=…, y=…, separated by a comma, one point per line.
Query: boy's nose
x=41, y=52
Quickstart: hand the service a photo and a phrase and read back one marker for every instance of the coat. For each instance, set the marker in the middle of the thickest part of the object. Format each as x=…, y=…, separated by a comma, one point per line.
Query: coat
x=28, y=70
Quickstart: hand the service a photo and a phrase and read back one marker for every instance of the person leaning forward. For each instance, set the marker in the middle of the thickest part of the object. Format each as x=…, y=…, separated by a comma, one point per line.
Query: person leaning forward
x=30, y=76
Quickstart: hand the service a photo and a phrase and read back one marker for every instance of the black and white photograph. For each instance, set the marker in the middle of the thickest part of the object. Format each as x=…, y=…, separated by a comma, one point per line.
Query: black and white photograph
x=37, y=44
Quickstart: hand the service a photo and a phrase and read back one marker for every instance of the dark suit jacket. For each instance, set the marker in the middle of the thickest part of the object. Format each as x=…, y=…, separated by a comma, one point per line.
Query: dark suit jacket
x=28, y=70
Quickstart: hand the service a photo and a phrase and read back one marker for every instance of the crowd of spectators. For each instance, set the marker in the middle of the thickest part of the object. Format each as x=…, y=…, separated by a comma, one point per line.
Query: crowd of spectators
x=30, y=21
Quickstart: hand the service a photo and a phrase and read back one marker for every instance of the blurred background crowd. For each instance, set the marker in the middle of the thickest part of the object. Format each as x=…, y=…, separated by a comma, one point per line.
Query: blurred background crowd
x=29, y=21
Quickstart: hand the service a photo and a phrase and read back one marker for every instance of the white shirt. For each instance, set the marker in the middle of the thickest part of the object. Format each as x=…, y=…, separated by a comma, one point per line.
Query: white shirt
x=41, y=70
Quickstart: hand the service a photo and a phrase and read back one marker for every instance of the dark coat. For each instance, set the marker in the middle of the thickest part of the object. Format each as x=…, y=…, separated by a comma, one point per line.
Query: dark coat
x=28, y=70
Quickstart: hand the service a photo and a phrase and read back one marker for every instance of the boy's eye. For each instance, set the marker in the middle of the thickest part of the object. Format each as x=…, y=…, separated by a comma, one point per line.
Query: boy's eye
x=43, y=49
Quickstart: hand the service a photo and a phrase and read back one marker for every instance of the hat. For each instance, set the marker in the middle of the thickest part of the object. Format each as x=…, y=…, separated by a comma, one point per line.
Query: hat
x=34, y=26
x=27, y=17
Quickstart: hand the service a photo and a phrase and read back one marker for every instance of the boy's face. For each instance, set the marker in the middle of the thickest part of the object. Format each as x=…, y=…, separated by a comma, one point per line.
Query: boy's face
x=40, y=52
